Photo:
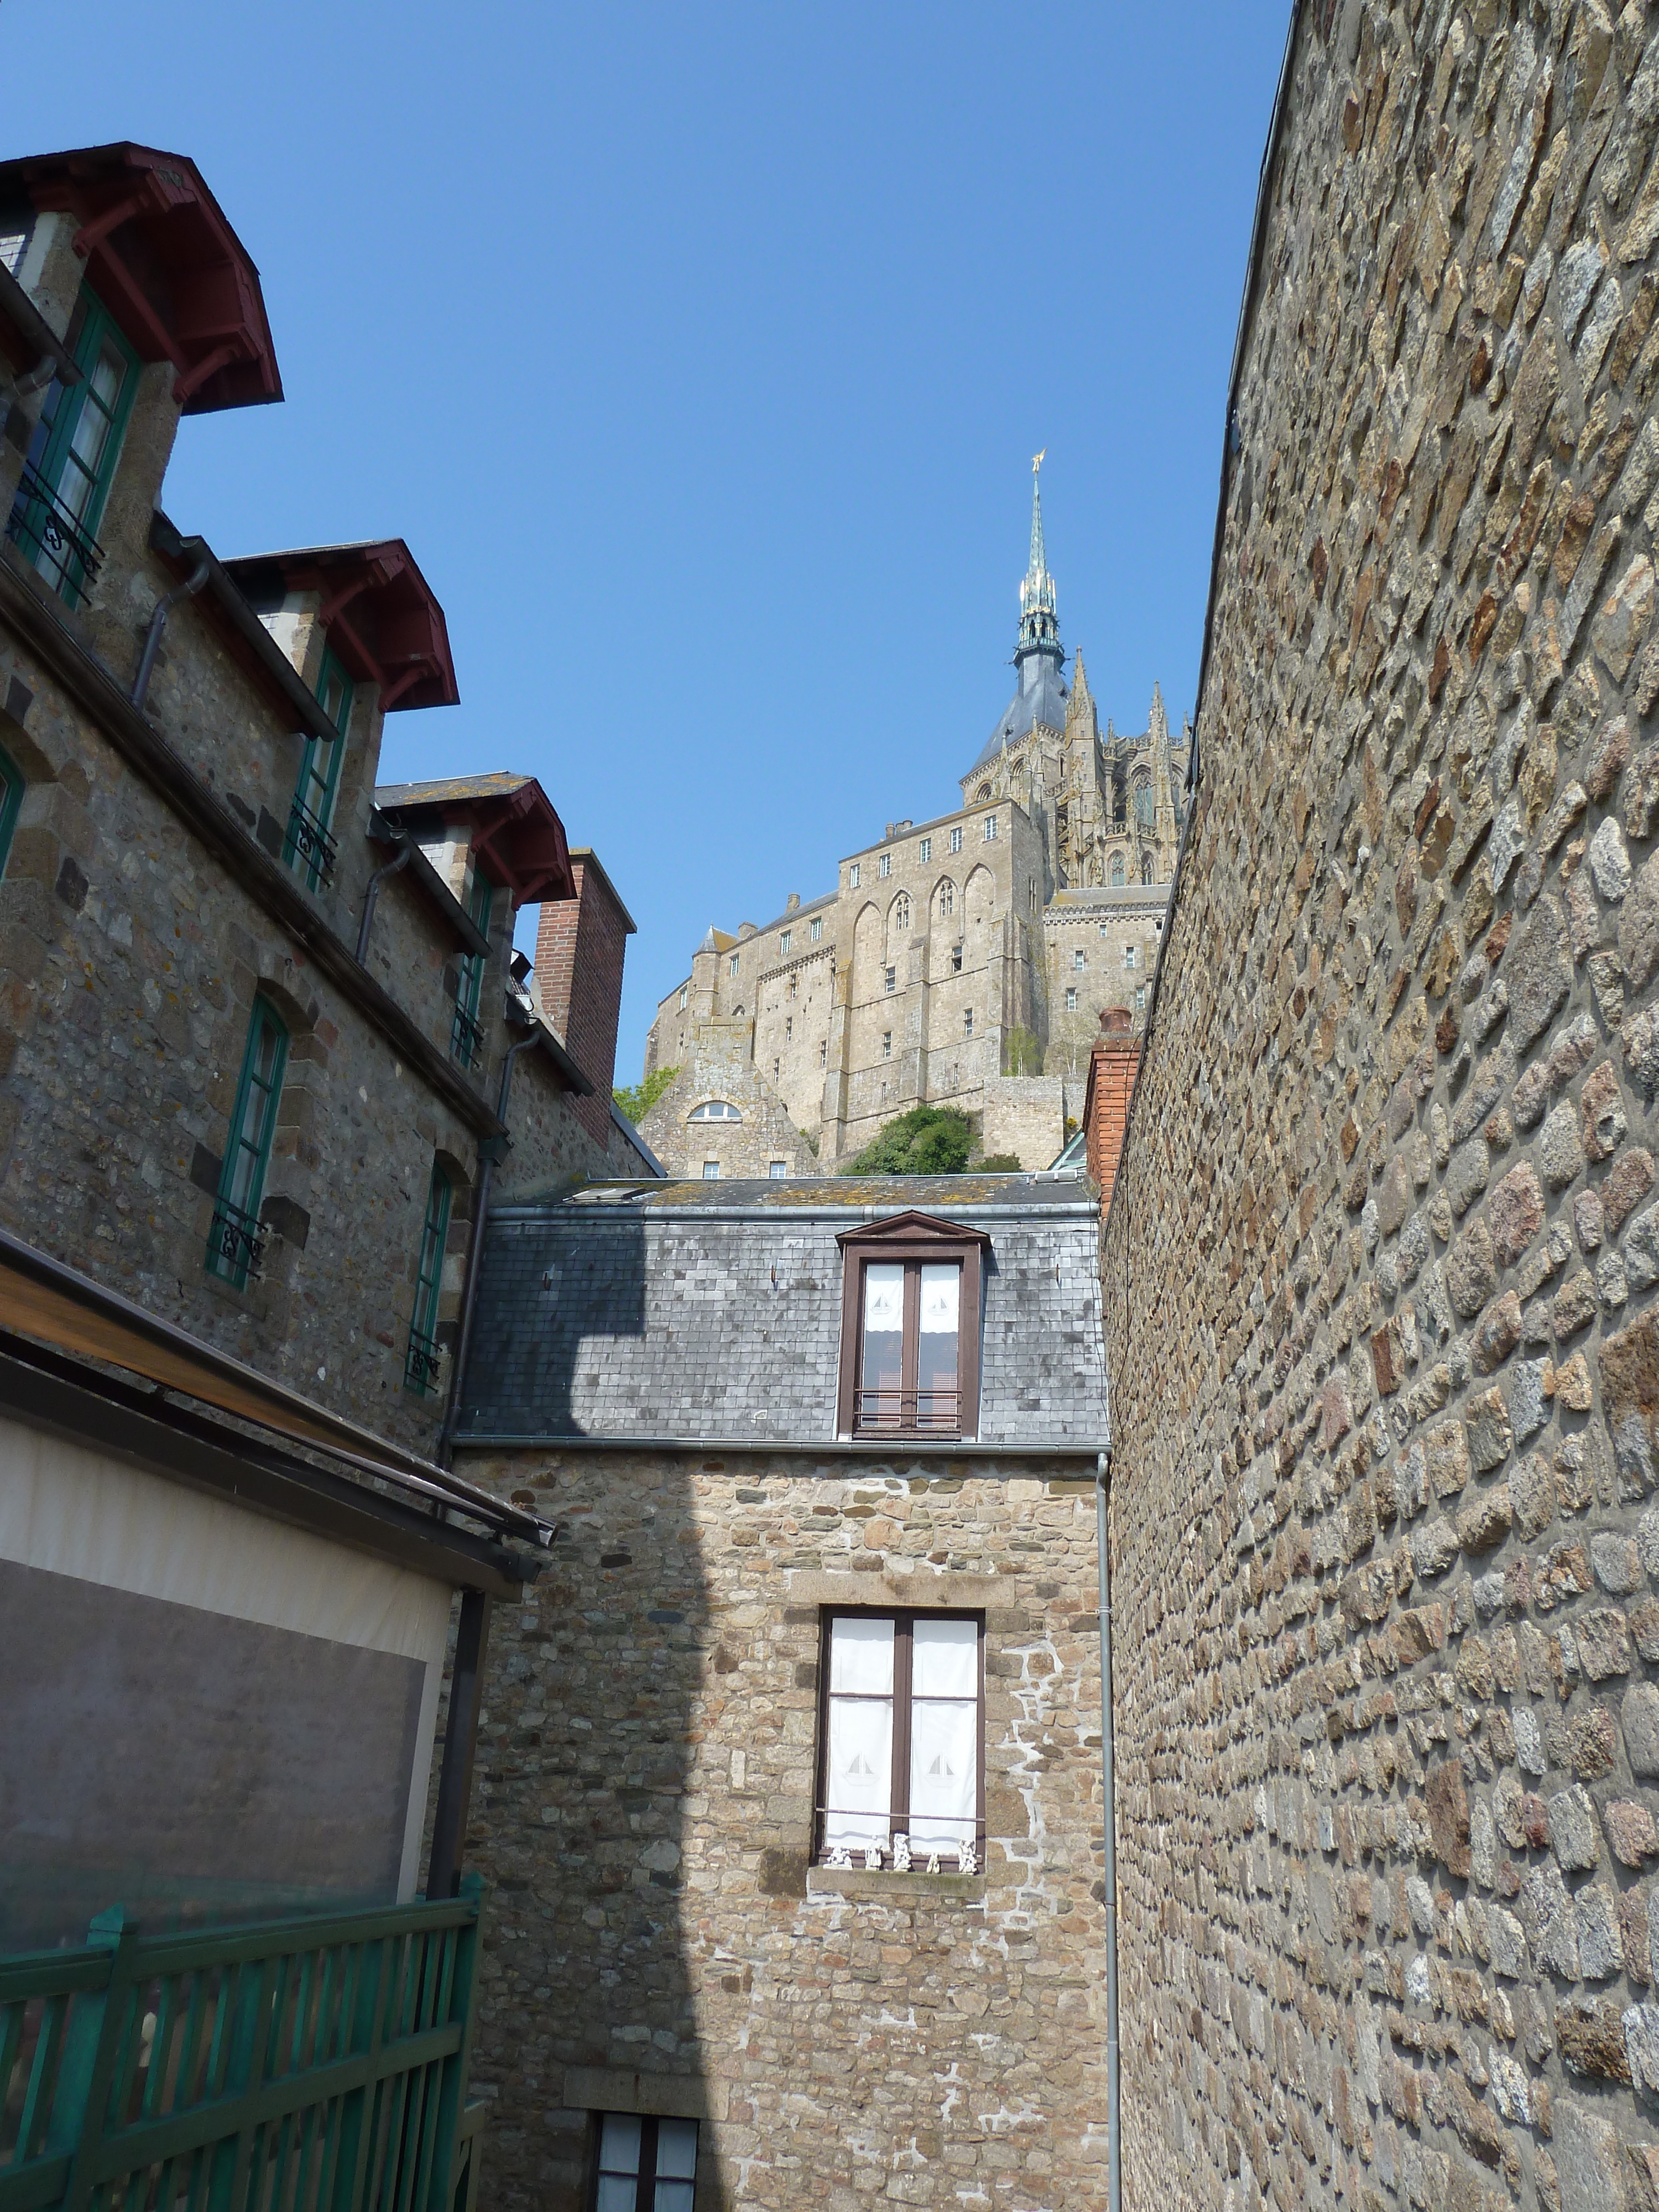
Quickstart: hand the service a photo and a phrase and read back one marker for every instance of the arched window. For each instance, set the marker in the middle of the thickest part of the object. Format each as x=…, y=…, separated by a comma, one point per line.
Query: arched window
x=1117, y=871
x=1147, y=871
x=901, y=911
x=715, y=1110
x=984, y=791
x=947, y=898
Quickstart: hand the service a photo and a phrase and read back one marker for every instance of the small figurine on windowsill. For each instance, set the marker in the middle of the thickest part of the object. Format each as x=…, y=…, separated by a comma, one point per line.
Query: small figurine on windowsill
x=967, y=1856
x=839, y=1856
x=932, y=1861
x=900, y=1854
x=872, y=1857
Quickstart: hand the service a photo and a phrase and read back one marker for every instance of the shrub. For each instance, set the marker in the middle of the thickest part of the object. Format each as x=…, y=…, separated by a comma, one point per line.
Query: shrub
x=1021, y=1054
x=927, y=1140
x=998, y=1163
x=636, y=1099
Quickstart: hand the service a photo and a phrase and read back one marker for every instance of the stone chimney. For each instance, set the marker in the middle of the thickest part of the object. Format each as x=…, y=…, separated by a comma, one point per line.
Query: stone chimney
x=1113, y=1067
x=580, y=946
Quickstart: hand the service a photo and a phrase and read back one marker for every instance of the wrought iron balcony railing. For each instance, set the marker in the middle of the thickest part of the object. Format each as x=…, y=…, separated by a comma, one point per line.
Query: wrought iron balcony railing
x=66, y=556
x=309, y=845
x=421, y=1362
x=907, y=1413
x=467, y=1037
x=236, y=1243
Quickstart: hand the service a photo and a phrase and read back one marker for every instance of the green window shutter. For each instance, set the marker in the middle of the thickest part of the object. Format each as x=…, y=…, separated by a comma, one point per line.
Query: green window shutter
x=236, y=1243
x=466, y=1033
x=11, y=799
x=310, y=850
x=421, y=1362
x=59, y=501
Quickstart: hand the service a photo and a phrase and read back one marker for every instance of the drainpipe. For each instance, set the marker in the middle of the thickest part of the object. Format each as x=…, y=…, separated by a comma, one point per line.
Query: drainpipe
x=405, y=850
x=1108, y=1818
x=158, y=622
x=490, y=1151
x=38, y=378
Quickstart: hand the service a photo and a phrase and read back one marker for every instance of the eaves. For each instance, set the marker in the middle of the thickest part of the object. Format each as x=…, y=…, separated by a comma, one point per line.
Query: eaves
x=25, y=605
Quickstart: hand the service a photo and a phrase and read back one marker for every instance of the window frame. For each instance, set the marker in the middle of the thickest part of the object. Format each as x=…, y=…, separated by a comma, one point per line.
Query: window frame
x=955, y=839
x=77, y=568
x=14, y=785
x=233, y=1254
x=645, y=2194
x=309, y=847
x=904, y=1619
x=466, y=1035
x=421, y=1359
x=817, y=929
x=917, y=1238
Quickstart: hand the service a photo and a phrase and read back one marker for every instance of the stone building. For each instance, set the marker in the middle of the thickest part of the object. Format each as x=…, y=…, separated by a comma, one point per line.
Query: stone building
x=979, y=945
x=256, y=1017
x=1385, y=1368
x=822, y=1466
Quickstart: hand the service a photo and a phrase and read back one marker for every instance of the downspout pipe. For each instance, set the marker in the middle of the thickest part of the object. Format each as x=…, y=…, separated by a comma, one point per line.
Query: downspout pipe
x=1108, y=1827
x=158, y=622
x=405, y=850
x=490, y=1151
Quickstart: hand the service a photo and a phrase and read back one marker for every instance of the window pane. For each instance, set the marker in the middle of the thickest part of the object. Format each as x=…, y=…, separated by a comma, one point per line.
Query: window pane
x=936, y=1349
x=619, y=2145
x=616, y=2194
x=673, y=2196
x=944, y=1775
x=945, y=1659
x=858, y=1799
x=861, y=1657
x=941, y=1294
x=884, y=1343
x=676, y=2150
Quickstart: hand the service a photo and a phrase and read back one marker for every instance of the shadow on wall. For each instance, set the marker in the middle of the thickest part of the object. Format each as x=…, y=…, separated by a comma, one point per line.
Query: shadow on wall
x=596, y=1977
x=546, y=1305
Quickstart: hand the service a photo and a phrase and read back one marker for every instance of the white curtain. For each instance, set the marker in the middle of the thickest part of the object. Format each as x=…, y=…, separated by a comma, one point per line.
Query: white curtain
x=944, y=1732
x=941, y=1290
x=860, y=1779
x=884, y=1298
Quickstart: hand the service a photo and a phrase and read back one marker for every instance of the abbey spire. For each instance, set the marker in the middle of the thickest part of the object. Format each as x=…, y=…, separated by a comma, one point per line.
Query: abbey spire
x=1039, y=631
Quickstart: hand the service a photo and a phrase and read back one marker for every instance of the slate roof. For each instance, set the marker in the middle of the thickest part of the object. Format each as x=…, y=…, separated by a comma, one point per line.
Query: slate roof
x=710, y=1312
x=1040, y=698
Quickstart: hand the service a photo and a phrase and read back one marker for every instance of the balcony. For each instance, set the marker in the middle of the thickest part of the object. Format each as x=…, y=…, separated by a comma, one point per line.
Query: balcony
x=236, y=1242
x=907, y=1413
x=309, y=849
x=68, y=556
x=467, y=1038
x=420, y=1363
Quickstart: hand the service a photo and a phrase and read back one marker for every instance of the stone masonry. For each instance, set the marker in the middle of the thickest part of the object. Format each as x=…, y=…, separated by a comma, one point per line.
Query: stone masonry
x=1385, y=1370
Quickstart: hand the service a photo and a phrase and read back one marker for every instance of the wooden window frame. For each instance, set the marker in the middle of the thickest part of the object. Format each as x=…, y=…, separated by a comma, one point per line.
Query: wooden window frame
x=13, y=785
x=235, y=1246
x=645, y=2194
x=918, y=1238
x=91, y=326
x=421, y=1359
x=309, y=847
x=466, y=1032
x=904, y=1619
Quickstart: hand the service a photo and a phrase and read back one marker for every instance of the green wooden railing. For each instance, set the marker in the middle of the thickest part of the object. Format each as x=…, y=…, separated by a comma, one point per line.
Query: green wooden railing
x=307, y=2065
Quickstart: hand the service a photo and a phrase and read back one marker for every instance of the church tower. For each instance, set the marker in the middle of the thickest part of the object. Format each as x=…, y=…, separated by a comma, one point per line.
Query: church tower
x=1021, y=758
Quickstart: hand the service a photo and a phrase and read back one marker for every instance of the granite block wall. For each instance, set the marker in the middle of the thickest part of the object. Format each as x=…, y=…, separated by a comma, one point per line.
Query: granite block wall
x=1385, y=1367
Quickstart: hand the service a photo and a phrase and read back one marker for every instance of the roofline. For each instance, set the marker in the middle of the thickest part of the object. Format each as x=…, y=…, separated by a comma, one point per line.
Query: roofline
x=794, y=1448
x=635, y=1139
x=1081, y=1209
x=590, y=858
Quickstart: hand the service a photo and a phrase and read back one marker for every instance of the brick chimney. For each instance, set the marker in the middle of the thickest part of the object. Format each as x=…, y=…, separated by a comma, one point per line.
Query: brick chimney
x=1113, y=1067
x=580, y=946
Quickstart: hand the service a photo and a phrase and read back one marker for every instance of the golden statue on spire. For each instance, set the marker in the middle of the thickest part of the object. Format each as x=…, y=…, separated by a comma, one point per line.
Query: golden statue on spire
x=1036, y=461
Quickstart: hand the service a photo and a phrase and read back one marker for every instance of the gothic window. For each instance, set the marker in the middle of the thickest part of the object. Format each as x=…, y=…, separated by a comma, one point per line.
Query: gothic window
x=1117, y=871
x=901, y=911
x=947, y=898
x=903, y=1731
x=1147, y=871
x=984, y=791
x=715, y=1110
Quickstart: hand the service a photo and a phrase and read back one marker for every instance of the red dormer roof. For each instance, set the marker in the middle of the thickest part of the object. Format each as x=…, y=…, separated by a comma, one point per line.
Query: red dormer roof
x=380, y=614
x=165, y=262
x=515, y=831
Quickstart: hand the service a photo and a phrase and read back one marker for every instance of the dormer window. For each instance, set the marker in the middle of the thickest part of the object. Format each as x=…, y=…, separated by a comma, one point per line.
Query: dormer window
x=715, y=1110
x=910, y=1329
x=310, y=849
x=59, y=500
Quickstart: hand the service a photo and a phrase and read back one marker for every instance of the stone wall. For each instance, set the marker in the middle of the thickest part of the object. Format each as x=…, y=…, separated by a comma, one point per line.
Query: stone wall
x=717, y=1065
x=643, y=1813
x=1385, y=1371
x=1029, y=1115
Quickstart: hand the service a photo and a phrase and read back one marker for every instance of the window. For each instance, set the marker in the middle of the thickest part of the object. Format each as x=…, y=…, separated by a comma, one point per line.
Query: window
x=1071, y=1002
x=466, y=1037
x=309, y=849
x=794, y=985
x=420, y=1361
x=885, y=864
x=645, y=2165
x=955, y=841
x=910, y=1329
x=955, y=960
x=1117, y=871
x=732, y=965
x=235, y=1243
x=901, y=911
x=927, y=850
x=1147, y=871
x=824, y=1052
x=685, y=989
x=711, y=1170
x=853, y=876
x=715, y=1110
x=990, y=829
x=887, y=1044
x=891, y=974
x=59, y=501
x=947, y=898
x=817, y=929
x=11, y=800
x=1131, y=958
x=784, y=936
x=776, y=1070
x=789, y=1027
x=1078, y=958
x=1104, y=927
x=1030, y=893
x=968, y=1022
x=776, y=1169
x=1062, y=818
x=901, y=1733
x=1140, y=998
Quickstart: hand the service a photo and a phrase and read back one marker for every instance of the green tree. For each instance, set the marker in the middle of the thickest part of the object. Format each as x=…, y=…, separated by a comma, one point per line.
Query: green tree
x=636, y=1099
x=927, y=1140
x=1021, y=1053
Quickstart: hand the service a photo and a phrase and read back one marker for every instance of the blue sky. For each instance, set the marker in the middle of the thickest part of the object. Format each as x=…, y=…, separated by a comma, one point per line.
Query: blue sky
x=699, y=352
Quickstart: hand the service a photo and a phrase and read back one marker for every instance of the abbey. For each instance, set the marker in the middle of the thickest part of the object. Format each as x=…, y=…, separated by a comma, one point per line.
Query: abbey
x=961, y=961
